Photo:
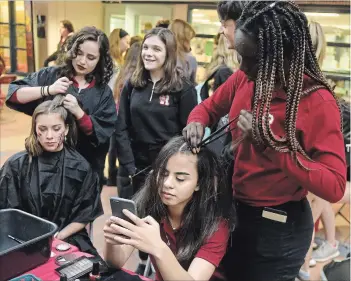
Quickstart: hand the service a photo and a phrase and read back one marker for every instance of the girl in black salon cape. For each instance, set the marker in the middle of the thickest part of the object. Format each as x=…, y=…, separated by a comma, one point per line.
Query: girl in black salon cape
x=83, y=78
x=50, y=179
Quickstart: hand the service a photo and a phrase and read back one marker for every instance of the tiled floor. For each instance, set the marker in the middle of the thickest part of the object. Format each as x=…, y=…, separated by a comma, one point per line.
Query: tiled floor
x=15, y=127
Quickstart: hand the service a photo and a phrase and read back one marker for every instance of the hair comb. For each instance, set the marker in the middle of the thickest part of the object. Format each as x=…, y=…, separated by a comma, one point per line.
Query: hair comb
x=218, y=133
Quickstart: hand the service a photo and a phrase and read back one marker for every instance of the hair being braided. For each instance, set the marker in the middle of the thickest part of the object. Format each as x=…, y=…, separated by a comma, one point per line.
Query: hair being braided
x=282, y=32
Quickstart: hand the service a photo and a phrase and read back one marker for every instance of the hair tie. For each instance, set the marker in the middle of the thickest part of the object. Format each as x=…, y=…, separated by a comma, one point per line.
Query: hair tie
x=122, y=33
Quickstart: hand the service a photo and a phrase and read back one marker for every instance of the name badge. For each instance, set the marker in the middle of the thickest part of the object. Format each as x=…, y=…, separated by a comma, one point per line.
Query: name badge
x=274, y=215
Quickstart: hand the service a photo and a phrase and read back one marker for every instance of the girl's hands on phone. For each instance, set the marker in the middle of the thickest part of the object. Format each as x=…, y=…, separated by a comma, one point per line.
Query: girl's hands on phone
x=111, y=230
x=143, y=235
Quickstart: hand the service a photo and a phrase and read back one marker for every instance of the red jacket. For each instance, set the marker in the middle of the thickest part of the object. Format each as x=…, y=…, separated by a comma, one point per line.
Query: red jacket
x=271, y=178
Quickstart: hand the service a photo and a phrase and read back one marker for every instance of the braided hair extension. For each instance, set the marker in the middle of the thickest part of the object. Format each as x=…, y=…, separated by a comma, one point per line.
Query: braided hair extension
x=282, y=31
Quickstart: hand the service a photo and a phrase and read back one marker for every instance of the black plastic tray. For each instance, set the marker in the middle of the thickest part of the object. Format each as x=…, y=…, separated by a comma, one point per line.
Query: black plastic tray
x=36, y=234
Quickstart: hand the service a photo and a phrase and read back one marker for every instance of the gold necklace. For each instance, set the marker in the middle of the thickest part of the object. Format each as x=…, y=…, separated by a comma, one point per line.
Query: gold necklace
x=169, y=220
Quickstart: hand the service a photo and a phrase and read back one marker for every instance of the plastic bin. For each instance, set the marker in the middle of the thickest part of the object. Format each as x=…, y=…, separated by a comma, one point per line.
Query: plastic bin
x=27, y=277
x=36, y=235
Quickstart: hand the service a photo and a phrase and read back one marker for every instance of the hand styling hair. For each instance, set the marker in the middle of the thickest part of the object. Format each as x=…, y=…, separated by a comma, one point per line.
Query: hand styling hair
x=208, y=206
x=32, y=144
x=104, y=68
x=282, y=34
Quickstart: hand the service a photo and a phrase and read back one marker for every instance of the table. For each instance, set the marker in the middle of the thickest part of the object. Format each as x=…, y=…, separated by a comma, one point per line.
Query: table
x=47, y=271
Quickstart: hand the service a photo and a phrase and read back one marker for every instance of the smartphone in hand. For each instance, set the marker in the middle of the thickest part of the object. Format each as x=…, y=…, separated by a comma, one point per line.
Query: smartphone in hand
x=118, y=204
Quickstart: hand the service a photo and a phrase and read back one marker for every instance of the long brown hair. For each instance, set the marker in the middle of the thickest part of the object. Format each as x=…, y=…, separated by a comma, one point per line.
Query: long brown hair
x=319, y=42
x=183, y=33
x=172, y=80
x=68, y=25
x=222, y=56
x=127, y=69
x=32, y=144
x=115, y=50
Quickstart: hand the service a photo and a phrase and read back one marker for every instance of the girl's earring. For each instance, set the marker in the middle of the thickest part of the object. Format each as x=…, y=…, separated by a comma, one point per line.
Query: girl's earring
x=65, y=138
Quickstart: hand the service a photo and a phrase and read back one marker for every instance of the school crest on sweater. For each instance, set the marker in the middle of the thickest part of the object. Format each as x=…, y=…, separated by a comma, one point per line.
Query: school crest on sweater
x=164, y=100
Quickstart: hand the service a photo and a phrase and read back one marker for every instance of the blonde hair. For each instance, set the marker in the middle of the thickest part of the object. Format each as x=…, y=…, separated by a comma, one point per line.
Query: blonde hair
x=127, y=69
x=318, y=41
x=222, y=56
x=115, y=51
x=32, y=144
x=183, y=33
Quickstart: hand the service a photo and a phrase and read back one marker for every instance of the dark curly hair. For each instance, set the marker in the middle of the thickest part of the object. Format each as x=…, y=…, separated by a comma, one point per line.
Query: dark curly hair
x=104, y=68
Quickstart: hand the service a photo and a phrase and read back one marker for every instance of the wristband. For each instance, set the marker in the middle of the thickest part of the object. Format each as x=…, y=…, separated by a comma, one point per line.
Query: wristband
x=47, y=90
x=42, y=91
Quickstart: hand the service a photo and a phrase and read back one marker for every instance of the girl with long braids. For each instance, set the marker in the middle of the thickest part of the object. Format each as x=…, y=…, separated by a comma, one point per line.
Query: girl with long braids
x=83, y=78
x=287, y=140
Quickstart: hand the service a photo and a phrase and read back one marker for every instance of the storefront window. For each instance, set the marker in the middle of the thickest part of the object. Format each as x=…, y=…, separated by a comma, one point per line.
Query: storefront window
x=16, y=37
x=20, y=14
x=205, y=21
x=206, y=25
x=336, y=64
x=117, y=21
x=337, y=32
x=144, y=23
x=336, y=26
x=5, y=33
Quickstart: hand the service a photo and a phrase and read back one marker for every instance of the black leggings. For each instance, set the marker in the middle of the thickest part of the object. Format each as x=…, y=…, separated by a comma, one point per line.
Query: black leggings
x=262, y=249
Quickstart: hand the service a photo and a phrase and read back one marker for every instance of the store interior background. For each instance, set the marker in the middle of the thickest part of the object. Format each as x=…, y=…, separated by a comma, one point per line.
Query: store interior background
x=28, y=52
x=137, y=16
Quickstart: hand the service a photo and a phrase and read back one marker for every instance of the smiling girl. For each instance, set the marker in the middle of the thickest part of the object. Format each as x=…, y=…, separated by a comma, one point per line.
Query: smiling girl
x=185, y=214
x=83, y=78
x=154, y=104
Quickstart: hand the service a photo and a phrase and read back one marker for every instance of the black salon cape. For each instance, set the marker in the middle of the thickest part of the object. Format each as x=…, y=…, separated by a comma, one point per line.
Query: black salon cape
x=97, y=102
x=60, y=187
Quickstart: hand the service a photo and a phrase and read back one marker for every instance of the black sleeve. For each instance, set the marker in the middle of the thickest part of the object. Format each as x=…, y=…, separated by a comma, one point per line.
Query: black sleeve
x=44, y=77
x=188, y=101
x=9, y=184
x=123, y=143
x=104, y=118
x=87, y=204
x=221, y=76
x=51, y=58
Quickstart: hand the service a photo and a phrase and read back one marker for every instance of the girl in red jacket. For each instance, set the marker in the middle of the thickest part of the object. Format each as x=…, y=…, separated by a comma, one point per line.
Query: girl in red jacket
x=288, y=137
